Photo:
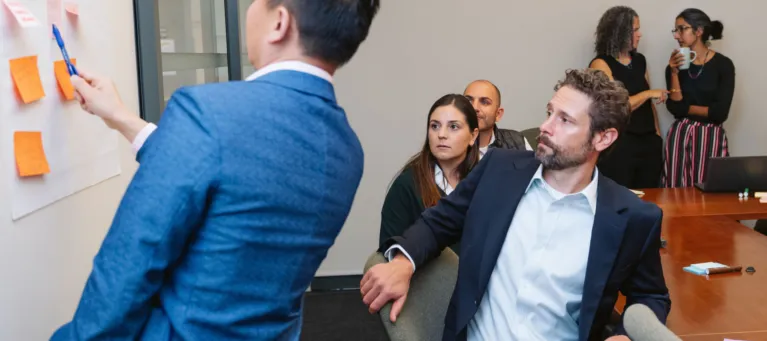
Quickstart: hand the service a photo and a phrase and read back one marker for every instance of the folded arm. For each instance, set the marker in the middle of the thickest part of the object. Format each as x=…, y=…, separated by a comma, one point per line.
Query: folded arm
x=676, y=103
x=441, y=225
x=719, y=109
x=162, y=208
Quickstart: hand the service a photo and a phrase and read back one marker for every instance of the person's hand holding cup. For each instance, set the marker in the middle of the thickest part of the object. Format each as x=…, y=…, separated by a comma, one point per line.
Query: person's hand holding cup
x=681, y=59
x=676, y=60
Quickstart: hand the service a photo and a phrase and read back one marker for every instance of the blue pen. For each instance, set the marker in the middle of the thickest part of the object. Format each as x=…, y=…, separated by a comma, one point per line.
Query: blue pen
x=70, y=67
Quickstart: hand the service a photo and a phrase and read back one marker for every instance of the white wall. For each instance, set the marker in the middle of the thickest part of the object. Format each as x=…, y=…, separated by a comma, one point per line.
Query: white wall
x=46, y=257
x=420, y=50
x=417, y=51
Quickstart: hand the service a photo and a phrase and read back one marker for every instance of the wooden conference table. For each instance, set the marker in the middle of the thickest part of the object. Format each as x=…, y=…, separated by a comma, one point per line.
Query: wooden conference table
x=702, y=227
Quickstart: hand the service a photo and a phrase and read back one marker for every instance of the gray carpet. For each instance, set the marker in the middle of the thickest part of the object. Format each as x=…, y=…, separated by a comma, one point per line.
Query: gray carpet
x=339, y=316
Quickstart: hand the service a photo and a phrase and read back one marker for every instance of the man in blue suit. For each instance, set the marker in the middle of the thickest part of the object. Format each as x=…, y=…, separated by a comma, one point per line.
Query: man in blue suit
x=240, y=192
x=546, y=241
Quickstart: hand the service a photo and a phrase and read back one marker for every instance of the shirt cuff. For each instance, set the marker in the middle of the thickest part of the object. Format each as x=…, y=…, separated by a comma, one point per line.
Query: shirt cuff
x=528, y=146
x=142, y=135
x=389, y=254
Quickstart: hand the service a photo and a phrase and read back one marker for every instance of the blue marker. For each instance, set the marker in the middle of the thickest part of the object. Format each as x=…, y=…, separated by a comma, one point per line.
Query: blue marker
x=70, y=67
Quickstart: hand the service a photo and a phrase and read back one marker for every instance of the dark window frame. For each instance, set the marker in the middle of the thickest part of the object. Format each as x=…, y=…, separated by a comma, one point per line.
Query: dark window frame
x=149, y=59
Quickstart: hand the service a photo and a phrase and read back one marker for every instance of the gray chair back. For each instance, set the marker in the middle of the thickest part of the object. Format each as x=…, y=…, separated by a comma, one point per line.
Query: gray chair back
x=423, y=316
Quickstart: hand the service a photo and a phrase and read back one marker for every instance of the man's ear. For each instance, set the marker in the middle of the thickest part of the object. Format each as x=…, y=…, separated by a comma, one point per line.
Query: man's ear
x=280, y=26
x=605, y=139
x=499, y=114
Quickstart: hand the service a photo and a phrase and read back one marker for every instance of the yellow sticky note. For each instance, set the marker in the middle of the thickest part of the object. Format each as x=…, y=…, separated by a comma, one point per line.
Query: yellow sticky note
x=26, y=76
x=62, y=77
x=30, y=156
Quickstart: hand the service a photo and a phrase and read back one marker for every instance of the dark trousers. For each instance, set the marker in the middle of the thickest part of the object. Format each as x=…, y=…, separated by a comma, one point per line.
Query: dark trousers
x=635, y=161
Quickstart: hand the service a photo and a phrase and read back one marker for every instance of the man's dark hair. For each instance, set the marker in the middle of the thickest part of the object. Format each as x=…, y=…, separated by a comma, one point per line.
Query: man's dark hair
x=331, y=30
x=615, y=31
x=610, y=107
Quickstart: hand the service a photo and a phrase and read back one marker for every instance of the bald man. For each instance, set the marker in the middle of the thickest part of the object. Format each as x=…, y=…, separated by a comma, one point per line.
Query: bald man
x=486, y=99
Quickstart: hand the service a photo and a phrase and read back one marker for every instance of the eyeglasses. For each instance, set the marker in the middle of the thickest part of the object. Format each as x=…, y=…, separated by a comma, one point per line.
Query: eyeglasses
x=680, y=29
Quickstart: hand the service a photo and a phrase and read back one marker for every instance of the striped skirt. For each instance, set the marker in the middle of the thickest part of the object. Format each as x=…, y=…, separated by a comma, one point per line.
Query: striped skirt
x=689, y=145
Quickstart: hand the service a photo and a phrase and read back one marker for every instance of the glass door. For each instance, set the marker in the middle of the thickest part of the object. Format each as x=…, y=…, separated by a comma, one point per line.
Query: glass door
x=184, y=43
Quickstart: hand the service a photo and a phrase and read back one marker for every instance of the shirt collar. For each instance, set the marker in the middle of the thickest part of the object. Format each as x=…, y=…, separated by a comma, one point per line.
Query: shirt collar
x=590, y=192
x=441, y=180
x=483, y=150
x=293, y=65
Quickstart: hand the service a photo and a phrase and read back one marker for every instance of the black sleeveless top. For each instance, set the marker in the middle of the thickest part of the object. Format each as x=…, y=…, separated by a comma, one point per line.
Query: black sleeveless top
x=632, y=76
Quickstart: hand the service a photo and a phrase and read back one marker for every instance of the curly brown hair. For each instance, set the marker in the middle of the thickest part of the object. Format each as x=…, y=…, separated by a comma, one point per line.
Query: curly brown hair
x=610, y=107
x=615, y=31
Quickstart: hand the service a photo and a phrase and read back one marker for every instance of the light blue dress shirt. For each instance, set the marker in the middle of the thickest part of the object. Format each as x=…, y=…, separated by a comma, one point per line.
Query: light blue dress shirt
x=536, y=287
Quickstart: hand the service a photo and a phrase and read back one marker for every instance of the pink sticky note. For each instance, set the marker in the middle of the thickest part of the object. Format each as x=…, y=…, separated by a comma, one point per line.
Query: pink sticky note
x=21, y=13
x=72, y=7
x=54, y=14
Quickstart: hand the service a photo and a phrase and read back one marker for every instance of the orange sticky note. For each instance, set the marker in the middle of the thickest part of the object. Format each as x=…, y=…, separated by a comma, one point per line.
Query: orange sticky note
x=30, y=156
x=26, y=76
x=62, y=77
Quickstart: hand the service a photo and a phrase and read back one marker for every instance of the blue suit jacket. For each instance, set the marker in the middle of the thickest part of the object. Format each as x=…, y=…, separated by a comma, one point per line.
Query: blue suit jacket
x=624, y=254
x=240, y=193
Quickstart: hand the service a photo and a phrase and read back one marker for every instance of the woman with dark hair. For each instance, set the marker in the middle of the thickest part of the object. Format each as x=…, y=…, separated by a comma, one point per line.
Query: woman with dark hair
x=448, y=155
x=700, y=100
x=636, y=159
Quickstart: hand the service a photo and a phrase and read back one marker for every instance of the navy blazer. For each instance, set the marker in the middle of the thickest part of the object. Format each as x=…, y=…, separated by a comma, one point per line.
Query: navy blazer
x=240, y=192
x=624, y=254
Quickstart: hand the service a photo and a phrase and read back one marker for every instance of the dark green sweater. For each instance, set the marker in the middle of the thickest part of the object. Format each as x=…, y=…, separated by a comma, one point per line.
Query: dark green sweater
x=402, y=207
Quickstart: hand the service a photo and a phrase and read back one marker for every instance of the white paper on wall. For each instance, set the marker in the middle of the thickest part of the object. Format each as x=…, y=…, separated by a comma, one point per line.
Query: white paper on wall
x=81, y=150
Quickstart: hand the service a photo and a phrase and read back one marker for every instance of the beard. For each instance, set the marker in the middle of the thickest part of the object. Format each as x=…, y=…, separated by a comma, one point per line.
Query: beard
x=560, y=158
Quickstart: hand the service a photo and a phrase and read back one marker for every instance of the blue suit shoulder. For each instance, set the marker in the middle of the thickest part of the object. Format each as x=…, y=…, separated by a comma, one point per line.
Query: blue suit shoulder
x=217, y=92
x=508, y=155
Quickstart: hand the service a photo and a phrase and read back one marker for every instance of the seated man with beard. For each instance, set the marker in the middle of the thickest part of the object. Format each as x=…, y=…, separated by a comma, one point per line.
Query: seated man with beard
x=546, y=241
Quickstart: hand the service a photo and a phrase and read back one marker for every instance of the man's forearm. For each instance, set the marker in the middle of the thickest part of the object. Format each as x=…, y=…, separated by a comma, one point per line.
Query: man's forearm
x=129, y=125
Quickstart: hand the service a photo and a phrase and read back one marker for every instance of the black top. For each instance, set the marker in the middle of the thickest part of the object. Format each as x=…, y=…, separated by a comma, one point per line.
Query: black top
x=632, y=76
x=713, y=89
x=402, y=207
x=508, y=139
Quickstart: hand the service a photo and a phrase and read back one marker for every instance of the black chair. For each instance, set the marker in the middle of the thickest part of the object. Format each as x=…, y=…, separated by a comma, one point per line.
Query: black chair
x=761, y=226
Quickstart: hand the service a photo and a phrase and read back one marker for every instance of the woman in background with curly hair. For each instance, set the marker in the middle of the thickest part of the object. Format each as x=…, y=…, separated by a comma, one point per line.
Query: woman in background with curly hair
x=635, y=161
x=700, y=100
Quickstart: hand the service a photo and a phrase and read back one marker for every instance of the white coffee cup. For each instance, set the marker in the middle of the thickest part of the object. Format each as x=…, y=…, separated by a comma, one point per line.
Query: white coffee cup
x=686, y=52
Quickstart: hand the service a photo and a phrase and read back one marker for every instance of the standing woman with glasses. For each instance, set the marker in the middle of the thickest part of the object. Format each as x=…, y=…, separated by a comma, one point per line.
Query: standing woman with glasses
x=700, y=100
x=636, y=160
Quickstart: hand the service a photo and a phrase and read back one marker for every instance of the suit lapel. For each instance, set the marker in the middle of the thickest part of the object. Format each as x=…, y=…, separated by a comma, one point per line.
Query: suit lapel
x=606, y=239
x=516, y=178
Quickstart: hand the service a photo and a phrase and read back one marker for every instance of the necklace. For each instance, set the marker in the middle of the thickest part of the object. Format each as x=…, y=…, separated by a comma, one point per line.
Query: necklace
x=701, y=67
x=629, y=65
